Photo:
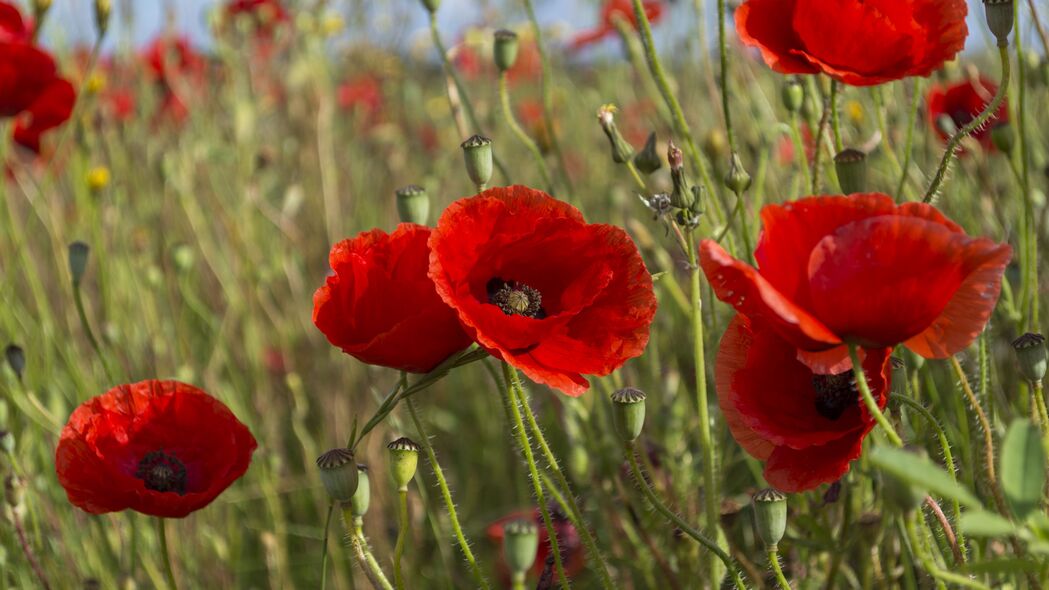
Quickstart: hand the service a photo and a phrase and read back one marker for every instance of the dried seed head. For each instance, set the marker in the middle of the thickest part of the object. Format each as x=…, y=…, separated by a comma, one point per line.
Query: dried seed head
x=339, y=474
x=413, y=204
x=1031, y=355
x=851, y=166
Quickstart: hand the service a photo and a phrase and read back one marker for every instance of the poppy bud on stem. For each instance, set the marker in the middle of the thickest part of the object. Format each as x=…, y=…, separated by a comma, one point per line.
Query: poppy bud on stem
x=628, y=413
x=793, y=95
x=851, y=166
x=1004, y=137
x=15, y=359
x=622, y=151
x=413, y=204
x=504, y=49
x=682, y=196
x=520, y=543
x=404, y=454
x=647, y=160
x=431, y=5
x=103, y=8
x=999, y=19
x=339, y=474
x=477, y=153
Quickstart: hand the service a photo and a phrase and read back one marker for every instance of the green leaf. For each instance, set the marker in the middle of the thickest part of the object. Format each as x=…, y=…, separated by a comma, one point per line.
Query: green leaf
x=985, y=524
x=1023, y=468
x=922, y=473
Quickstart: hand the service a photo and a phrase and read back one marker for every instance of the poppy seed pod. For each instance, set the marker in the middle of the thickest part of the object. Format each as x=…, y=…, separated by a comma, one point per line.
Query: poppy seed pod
x=431, y=5
x=339, y=474
x=78, y=253
x=621, y=149
x=647, y=160
x=628, y=413
x=477, y=152
x=362, y=497
x=1003, y=137
x=737, y=179
x=1031, y=354
x=15, y=359
x=520, y=543
x=770, y=516
x=899, y=376
x=793, y=95
x=413, y=204
x=999, y=19
x=851, y=166
x=102, y=10
x=404, y=456
x=504, y=49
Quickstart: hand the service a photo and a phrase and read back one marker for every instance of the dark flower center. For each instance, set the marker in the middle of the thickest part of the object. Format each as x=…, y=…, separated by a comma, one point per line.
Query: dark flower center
x=961, y=117
x=162, y=472
x=516, y=298
x=834, y=394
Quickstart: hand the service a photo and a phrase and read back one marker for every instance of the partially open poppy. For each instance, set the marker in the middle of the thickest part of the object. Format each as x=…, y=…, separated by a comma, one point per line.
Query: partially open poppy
x=959, y=104
x=540, y=288
x=380, y=307
x=162, y=448
x=860, y=43
x=610, y=11
x=807, y=427
x=861, y=269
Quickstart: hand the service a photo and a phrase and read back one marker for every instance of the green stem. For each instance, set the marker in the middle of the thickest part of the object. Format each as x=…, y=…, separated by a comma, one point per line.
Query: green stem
x=643, y=485
x=324, y=548
x=723, y=56
x=868, y=398
x=988, y=436
x=165, y=552
x=574, y=512
x=908, y=146
x=518, y=426
x=777, y=569
x=78, y=301
x=1029, y=259
x=446, y=495
x=522, y=136
x=955, y=140
x=931, y=568
x=799, y=149
x=355, y=534
x=638, y=180
x=402, y=537
x=835, y=116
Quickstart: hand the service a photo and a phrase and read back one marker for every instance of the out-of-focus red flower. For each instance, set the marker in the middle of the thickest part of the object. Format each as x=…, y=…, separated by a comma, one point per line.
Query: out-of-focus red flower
x=611, y=10
x=31, y=90
x=572, y=555
x=161, y=448
x=785, y=153
x=858, y=43
x=862, y=269
x=807, y=427
x=362, y=94
x=177, y=69
x=533, y=119
x=121, y=103
x=501, y=260
x=381, y=308
x=961, y=103
x=267, y=14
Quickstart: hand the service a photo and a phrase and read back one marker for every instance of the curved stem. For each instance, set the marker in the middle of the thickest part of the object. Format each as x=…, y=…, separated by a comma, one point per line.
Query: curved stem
x=78, y=302
x=574, y=512
x=778, y=570
x=522, y=136
x=955, y=140
x=27, y=549
x=835, y=116
x=868, y=398
x=931, y=568
x=355, y=535
x=169, y=571
x=642, y=484
x=510, y=377
x=801, y=155
x=324, y=549
x=402, y=537
x=446, y=495
x=723, y=56
x=988, y=436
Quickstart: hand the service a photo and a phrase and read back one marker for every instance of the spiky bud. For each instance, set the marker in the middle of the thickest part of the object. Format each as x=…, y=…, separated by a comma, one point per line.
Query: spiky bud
x=413, y=204
x=647, y=160
x=504, y=49
x=1031, y=356
x=851, y=166
x=404, y=457
x=628, y=413
x=339, y=474
x=999, y=19
x=477, y=154
x=770, y=516
x=622, y=151
x=520, y=543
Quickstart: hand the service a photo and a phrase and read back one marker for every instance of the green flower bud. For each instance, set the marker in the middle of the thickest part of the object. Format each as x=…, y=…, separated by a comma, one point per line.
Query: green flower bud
x=622, y=151
x=14, y=491
x=432, y=5
x=504, y=50
x=477, y=151
x=770, y=516
x=793, y=95
x=362, y=497
x=102, y=10
x=851, y=166
x=1031, y=354
x=413, y=204
x=647, y=160
x=404, y=455
x=681, y=197
x=999, y=19
x=899, y=376
x=15, y=359
x=628, y=413
x=78, y=253
x=1004, y=137
x=899, y=493
x=520, y=543
x=339, y=474
x=737, y=180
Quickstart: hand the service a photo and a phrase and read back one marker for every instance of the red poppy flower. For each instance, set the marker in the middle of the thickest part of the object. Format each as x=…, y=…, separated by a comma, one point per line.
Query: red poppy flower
x=807, y=427
x=267, y=13
x=785, y=147
x=381, y=308
x=862, y=269
x=573, y=557
x=363, y=93
x=611, y=10
x=961, y=103
x=861, y=43
x=177, y=69
x=13, y=29
x=161, y=448
x=540, y=288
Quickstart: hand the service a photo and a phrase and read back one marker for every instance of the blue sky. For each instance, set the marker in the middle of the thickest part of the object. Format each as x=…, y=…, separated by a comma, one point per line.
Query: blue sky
x=402, y=19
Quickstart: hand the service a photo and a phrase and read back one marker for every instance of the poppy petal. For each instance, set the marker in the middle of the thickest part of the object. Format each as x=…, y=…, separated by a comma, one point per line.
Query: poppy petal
x=797, y=470
x=759, y=23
